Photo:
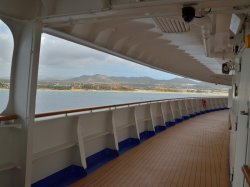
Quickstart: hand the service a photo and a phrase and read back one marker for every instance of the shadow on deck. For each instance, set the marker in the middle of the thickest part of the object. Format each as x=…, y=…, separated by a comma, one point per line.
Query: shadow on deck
x=191, y=153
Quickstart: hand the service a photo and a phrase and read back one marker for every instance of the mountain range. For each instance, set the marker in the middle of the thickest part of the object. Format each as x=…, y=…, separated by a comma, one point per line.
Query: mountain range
x=130, y=83
x=103, y=79
x=147, y=82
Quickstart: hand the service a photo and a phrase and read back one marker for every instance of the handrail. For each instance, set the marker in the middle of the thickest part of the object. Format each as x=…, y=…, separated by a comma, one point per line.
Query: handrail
x=65, y=112
x=246, y=171
x=7, y=117
x=92, y=108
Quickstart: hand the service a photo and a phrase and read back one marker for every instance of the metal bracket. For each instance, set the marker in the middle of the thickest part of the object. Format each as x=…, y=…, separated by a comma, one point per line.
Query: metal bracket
x=246, y=113
x=236, y=124
x=232, y=176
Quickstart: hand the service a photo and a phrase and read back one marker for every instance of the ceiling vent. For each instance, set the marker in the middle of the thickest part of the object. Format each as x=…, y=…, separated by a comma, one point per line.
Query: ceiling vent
x=171, y=25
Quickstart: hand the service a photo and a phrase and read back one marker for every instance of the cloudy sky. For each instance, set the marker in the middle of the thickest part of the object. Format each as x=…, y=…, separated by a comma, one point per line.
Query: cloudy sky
x=61, y=59
x=6, y=48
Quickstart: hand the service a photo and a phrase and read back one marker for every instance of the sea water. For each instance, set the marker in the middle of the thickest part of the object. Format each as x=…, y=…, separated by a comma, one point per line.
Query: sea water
x=54, y=100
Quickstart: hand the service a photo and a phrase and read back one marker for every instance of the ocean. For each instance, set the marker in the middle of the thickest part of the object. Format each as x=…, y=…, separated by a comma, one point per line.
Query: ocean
x=48, y=101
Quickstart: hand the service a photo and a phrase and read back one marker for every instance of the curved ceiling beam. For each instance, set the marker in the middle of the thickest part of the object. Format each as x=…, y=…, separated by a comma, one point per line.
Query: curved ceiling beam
x=98, y=28
x=125, y=31
x=128, y=43
x=172, y=57
x=138, y=39
x=102, y=38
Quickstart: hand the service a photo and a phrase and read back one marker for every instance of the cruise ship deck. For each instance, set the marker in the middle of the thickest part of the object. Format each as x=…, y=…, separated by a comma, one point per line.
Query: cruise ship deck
x=166, y=142
x=191, y=153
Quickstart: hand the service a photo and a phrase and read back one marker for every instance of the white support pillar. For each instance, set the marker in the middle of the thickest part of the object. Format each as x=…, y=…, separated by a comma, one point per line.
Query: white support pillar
x=242, y=133
x=27, y=37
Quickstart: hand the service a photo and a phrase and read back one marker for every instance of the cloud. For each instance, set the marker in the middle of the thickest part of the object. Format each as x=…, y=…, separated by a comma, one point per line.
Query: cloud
x=6, y=50
x=55, y=50
x=62, y=59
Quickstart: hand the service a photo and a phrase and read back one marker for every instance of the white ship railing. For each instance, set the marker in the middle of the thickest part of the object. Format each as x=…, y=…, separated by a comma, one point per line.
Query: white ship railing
x=83, y=137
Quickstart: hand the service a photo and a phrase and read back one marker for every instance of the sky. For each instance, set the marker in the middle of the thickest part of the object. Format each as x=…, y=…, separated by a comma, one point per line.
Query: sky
x=61, y=59
x=6, y=49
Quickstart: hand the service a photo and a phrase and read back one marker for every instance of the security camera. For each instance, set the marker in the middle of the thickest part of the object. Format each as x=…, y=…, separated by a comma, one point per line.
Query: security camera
x=188, y=13
x=227, y=67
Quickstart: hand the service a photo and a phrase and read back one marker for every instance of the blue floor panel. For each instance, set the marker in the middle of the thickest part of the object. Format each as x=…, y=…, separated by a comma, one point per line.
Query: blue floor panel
x=170, y=124
x=159, y=128
x=198, y=113
x=62, y=178
x=178, y=120
x=192, y=115
x=127, y=144
x=99, y=159
x=185, y=117
x=146, y=135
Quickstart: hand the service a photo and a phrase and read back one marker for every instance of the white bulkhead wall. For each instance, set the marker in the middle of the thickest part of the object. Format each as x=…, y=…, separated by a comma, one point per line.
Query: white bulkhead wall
x=239, y=136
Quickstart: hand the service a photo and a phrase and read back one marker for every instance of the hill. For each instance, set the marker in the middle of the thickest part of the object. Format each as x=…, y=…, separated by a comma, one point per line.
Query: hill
x=103, y=82
x=103, y=79
x=147, y=82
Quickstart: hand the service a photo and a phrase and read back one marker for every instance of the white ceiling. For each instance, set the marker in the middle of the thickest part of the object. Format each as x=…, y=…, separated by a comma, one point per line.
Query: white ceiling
x=141, y=31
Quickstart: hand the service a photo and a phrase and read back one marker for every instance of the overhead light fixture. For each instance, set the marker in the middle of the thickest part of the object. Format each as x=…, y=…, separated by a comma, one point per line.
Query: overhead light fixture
x=236, y=23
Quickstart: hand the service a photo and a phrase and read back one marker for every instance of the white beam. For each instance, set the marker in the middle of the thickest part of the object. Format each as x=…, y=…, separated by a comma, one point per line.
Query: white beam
x=22, y=99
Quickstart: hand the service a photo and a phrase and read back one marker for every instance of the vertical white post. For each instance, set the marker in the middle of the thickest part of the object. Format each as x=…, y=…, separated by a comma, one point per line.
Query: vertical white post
x=81, y=145
x=154, y=121
x=149, y=121
x=115, y=131
x=194, y=105
x=163, y=112
x=27, y=37
x=170, y=116
x=136, y=123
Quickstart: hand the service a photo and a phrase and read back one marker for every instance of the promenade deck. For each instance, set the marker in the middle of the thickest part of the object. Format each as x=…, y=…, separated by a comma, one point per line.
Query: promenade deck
x=192, y=153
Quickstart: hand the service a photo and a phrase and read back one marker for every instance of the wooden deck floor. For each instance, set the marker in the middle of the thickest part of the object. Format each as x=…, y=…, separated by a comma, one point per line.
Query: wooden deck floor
x=192, y=153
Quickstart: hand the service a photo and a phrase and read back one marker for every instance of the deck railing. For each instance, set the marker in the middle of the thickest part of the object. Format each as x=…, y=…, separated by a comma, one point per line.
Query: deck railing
x=107, y=107
x=89, y=137
x=8, y=117
x=94, y=135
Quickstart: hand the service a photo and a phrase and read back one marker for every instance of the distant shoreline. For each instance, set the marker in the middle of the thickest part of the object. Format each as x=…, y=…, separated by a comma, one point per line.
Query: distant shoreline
x=134, y=91
x=137, y=91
